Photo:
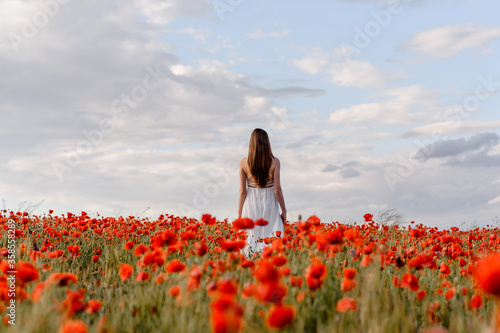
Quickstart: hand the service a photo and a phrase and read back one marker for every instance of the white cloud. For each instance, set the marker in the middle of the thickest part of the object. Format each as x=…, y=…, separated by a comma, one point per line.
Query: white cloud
x=258, y=33
x=448, y=41
x=316, y=62
x=356, y=73
x=222, y=42
x=165, y=11
x=181, y=70
x=406, y=105
x=451, y=128
x=343, y=52
x=352, y=73
x=494, y=201
x=199, y=34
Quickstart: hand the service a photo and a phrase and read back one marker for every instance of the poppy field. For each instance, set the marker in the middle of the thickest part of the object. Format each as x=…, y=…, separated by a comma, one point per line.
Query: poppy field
x=76, y=273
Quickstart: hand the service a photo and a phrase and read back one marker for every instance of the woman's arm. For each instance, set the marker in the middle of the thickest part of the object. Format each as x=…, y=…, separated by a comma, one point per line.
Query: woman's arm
x=243, y=189
x=277, y=190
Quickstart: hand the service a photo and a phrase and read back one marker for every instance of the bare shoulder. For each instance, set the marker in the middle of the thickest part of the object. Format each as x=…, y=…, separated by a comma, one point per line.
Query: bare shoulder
x=275, y=165
x=243, y=164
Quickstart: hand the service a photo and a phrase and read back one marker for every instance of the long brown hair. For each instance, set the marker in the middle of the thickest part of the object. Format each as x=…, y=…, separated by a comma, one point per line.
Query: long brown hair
x=260, y=155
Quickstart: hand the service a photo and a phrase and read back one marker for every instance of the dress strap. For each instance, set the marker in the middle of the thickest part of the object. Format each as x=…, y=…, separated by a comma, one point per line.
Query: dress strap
x=251, y=174
x=269, y=183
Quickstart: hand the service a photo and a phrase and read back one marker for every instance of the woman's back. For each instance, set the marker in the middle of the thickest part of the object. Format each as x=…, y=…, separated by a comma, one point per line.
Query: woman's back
x=252, y=181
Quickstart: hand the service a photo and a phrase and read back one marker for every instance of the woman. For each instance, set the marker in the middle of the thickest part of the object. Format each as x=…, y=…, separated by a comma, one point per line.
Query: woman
x=260, y=191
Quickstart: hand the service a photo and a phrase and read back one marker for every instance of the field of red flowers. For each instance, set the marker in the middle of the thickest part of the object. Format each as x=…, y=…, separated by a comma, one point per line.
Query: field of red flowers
x=74, y=273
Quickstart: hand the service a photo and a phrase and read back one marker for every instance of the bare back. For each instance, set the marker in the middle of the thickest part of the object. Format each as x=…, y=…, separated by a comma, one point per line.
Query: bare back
x=252, y=179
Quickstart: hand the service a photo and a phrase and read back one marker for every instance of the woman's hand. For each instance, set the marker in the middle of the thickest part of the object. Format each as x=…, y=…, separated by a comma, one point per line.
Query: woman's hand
x=283, y=217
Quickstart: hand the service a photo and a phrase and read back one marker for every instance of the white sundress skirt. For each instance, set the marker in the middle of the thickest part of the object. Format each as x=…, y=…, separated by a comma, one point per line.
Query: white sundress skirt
x=261, y=203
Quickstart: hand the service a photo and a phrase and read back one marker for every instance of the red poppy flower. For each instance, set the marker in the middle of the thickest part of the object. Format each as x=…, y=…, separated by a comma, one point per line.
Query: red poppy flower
x=73, y=303
x=315, y=274
x=248, y=290
x=486, y=273
x=36, y=295
x=462, y=262
x=345, y=304
x=187, y=235
x=317, y=270
x=347, y=285
x=279, y=261
x=270, y=293
x=55, y=254
x=354, y=236
x=174, y=291
x=243, y=223
x=62, y=279
x=476, y=302
x=126, y=271
x=208, y=219
x=349, y=273
x=261, y=222
x=296, y=281
x=93, y=306
x=366, y=261
x=26, y=272
x=444, y=269
x=232, y=246
x=449, y=293
x=247, y=264
x=225, y=315
x=160, y=278
x=421, y=261
x=73, y=326
x=334, y=237
x=140, y=250
x=266, y=272
x=227, y=286
x=280, y=317
x=421, y=295
x=314, y=220
x=142, y=276
x=409, y=281
x=165, y=238
x=200, y=248
x=175, y=266
x=368, y=217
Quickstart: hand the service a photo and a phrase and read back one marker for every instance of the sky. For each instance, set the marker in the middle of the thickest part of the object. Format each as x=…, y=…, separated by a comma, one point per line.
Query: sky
x=145, y=108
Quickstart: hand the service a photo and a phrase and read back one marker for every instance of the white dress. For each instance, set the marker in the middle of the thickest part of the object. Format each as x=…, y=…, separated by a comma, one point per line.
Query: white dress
x=261, y=203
